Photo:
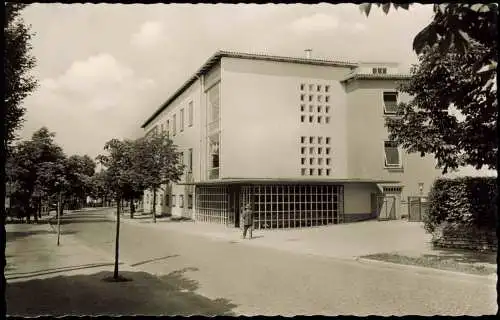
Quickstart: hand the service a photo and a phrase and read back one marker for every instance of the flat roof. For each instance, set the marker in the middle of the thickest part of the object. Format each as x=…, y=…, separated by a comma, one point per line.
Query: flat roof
x=286, y=181
x=216, y=57
x=370, y=76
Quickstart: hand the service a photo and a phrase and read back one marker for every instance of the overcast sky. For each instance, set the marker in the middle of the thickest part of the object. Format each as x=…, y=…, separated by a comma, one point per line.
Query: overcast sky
x=104, y=68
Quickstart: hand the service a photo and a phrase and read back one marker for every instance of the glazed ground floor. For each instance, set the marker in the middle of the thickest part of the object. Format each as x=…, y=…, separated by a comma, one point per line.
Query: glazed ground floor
x=278, y=205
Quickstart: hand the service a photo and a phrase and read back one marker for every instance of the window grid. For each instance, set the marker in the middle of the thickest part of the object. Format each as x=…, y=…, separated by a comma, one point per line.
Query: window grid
x=315, y=95
x=212, y=204
x=313, y=153
x=294, y=206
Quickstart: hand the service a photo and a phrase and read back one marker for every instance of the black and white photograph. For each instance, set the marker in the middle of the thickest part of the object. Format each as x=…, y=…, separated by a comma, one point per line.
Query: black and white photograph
x=250, y=159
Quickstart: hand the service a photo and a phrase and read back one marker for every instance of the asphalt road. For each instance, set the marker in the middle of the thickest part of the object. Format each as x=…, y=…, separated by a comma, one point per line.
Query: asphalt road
x=253, y=280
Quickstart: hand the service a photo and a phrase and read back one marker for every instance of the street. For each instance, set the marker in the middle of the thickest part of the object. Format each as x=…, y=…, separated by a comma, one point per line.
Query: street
x=174, y=272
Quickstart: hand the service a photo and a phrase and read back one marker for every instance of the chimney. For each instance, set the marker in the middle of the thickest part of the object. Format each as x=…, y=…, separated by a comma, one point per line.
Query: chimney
x=308, y=53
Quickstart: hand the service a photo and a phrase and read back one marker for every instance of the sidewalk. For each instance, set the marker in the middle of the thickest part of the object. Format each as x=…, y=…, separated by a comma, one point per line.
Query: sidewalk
x=343, y=241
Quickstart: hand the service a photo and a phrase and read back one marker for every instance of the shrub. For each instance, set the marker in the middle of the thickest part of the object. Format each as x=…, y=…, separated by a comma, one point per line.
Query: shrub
x=465, y=201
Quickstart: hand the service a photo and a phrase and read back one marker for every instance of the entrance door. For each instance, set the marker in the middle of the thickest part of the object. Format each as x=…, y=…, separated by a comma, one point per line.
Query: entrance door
x=386, y=207
x=234, y=206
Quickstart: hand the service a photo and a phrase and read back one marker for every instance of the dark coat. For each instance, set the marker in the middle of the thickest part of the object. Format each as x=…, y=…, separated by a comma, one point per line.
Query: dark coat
x=247, y=217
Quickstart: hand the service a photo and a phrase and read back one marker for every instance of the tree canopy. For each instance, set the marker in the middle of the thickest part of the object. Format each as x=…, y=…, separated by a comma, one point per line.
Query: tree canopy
x=453, y=109
x=18, y=62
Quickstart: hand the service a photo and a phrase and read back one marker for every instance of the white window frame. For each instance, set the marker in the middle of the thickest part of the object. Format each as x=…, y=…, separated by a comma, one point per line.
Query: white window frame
x=190, y=113
x=174, y=124
x=181, y=120
x=400, y=162
x=389, y=112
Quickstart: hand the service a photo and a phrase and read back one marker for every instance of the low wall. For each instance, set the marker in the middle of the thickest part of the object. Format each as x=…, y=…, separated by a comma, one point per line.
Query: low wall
x=465, y=238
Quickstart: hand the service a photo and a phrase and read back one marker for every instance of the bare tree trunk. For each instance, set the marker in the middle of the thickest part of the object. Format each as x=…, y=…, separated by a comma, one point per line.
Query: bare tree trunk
x=154, y=205
x=117, y=240
x=132, y=209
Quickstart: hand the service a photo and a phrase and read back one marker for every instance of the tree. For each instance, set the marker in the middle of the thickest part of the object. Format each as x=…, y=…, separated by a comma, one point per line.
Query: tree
x=17, y=64
x=158, y=163
x=79, y=170
x=29, y=161
x=425, y=124
x=453, y=110
x=17, y=86
x=118, y=176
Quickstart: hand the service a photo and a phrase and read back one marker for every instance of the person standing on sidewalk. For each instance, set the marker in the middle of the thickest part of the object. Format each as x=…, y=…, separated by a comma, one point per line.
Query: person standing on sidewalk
x=247, y=218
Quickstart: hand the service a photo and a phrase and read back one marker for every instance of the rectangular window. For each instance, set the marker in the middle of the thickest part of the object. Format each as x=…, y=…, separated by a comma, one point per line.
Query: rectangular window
x=190, y=201
x=327, y=140
x=302, y=97
x=302, y=118
x=311, y=139
x=191, y=113
x=182, y=120
x=319, y=119
x=303, y=160
x=391, y=152
x=174, y=124
x=311, y=161
x=327, y=88
x=311, y=87
x=167, y=200
x=381, y=70
x=168, y=127
x=319, y=108
x=181, y=201
x=320, y=140
x=328, y=160
x=302, y=87
x=327, y=99
x=311, y=172
x=311, y=119
x=390, y=102
x=311, y=150
x=327, y=109
x=303, y=150
x=327, y=119
x=162, y=128
x=320, y=161
x=311, y=108
x=302, y=108
x=320, y=150
x=302, y=139
x=320, y=171
x=303, y=171
x=327, y=172
x=320, y=98
x=374, y=70
x=310, y=97
x=318, y=88
x=327, y=150
x=173, y=200
x=190, y=160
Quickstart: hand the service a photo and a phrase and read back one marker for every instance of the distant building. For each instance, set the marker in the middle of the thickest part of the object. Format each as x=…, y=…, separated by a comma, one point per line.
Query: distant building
x=302, y=139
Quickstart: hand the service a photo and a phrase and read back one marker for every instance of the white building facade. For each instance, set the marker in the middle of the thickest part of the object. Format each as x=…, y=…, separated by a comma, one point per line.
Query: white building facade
x=303, y=140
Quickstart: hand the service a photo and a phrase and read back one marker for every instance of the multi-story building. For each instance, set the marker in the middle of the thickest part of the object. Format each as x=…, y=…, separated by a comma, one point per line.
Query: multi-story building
x=302, y=139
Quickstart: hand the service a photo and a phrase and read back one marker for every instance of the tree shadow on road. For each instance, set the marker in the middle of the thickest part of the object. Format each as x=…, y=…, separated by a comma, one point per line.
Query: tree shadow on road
x=29, y=274
x=16, y=235
x=146, y=294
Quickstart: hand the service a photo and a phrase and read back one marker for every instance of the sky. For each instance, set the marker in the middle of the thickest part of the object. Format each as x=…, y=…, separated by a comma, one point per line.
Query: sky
x=103, y=69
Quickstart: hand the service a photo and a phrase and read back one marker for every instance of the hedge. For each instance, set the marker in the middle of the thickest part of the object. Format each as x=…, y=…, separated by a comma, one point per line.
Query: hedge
x=465, y=201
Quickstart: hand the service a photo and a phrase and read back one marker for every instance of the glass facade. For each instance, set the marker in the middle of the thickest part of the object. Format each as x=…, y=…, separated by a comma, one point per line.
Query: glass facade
x=275, y=206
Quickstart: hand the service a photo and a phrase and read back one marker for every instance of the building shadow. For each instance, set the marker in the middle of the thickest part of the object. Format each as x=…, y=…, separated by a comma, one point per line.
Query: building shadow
x=89, y=295
x=21, y=275
x=153, y=260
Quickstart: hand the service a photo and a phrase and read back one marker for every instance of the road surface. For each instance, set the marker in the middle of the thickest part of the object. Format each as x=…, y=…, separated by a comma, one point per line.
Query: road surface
x=231, y=277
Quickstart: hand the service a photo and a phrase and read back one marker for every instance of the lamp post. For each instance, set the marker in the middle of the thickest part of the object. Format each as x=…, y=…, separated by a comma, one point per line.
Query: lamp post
x=58, y=212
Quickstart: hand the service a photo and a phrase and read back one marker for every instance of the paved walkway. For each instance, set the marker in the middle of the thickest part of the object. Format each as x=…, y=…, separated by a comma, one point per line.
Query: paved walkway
x=339, y=241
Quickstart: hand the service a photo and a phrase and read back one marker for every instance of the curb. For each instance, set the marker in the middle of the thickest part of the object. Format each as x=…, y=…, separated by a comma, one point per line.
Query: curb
x=424, y=269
